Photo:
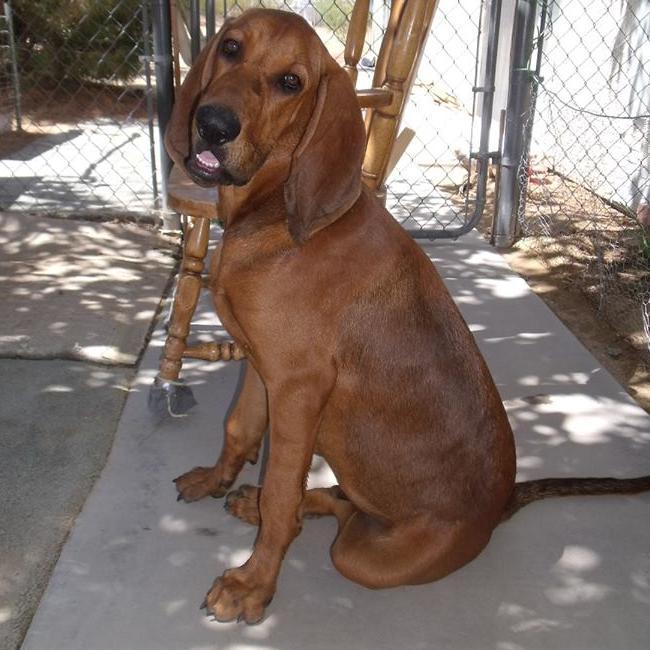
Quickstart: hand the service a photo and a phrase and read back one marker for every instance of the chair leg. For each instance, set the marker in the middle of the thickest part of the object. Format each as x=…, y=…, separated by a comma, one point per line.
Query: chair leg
x=168, y=396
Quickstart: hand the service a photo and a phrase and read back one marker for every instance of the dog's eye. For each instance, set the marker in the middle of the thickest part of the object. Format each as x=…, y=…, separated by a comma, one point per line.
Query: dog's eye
x=290, y=83
x=230, y=48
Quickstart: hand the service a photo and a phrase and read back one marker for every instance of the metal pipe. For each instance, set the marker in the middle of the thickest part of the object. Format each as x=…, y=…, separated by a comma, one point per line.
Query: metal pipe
x=164, y=84
x=9, y=17
x=535, y=81
x=484, y=155
x=195, y=29
x=146, y=60
x=517, y=109
x=210, y=19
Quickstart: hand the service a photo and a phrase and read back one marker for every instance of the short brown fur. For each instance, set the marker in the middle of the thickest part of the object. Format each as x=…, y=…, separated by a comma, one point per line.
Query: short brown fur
x=355, y=350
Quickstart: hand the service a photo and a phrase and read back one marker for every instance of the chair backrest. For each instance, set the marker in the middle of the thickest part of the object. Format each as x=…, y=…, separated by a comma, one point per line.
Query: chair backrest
x=401, y=48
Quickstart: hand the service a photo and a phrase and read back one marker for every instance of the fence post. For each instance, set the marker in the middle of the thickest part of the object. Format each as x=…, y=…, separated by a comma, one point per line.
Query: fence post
x=162, y=35
x=147, y=60
x=15, y=74
x=517, y=108
x=209, y=19
x=195, y=29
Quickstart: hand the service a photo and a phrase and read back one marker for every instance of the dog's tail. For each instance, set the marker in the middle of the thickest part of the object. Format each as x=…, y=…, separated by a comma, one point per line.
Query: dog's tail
x=528, y=491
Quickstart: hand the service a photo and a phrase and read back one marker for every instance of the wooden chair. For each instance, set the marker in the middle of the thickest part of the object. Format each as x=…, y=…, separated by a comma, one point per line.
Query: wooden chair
x=395, y=69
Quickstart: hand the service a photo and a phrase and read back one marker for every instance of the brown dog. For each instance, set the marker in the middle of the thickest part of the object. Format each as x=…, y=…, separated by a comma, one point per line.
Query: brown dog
x=355, y=349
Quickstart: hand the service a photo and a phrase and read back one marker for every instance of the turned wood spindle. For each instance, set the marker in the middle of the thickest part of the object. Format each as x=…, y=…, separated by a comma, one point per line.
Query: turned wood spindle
x=408, y=27
x=227, y=351
x=186, y=298
x=356, y=38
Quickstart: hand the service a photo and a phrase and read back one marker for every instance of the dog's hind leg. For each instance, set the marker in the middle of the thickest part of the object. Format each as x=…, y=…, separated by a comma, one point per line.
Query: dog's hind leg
x=377, y=555
x=244, y=431
x=243, y=503
x=371, y=553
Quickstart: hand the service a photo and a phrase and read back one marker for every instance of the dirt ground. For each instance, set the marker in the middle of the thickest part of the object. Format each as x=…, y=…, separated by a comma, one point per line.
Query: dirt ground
x=55, y=109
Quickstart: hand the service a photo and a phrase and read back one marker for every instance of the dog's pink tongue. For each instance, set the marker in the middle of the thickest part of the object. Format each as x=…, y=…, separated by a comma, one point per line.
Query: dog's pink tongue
x=208, y=158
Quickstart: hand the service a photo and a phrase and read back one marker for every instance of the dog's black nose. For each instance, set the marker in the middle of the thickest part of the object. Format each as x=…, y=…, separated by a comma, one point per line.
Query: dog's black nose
x=217, y=124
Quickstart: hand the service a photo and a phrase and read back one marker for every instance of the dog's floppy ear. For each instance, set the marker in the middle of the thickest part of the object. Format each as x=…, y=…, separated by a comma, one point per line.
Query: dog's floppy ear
x=178, y=134
x=325, y=176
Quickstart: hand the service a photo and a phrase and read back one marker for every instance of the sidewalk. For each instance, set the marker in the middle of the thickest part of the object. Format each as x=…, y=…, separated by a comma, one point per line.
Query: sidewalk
x=78, y=300
x=563, y=574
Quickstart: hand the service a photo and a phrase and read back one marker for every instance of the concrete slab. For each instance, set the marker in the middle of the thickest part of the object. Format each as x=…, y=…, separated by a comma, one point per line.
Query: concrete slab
x=101, y=165
x=57, y=421
x=79, y=289
x=572, y=573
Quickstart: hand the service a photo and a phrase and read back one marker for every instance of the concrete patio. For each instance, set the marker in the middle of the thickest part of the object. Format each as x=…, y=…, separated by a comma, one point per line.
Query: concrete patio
x=562, y=574
x=101, y=166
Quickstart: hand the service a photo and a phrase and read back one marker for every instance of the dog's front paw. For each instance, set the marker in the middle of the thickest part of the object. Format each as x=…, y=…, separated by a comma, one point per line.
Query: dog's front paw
x=238, y=595
x=200, y=482
x=243, y=503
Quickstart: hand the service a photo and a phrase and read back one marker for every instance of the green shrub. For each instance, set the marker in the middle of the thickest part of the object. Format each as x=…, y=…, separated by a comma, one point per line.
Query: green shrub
x=77, y=40
x=335, y=15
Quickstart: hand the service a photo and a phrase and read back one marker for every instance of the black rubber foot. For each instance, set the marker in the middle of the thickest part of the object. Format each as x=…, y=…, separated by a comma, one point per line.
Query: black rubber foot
x=170, y=398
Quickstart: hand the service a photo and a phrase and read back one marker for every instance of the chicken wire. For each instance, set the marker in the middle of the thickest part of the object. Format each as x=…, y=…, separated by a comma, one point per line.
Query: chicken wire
x=586, y=179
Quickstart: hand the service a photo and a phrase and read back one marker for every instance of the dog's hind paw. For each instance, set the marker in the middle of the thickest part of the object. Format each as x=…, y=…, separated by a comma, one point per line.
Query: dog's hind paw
x=243, y=503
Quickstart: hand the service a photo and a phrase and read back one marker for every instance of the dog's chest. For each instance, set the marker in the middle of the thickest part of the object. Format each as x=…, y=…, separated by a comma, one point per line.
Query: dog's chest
x=243, y=295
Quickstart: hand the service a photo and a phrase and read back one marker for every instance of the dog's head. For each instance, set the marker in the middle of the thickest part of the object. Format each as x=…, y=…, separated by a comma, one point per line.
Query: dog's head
x=265, y=92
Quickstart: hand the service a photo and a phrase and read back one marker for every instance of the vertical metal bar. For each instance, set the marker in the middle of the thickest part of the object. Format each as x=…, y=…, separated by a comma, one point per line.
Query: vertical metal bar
x=535, y=80
x=210, y=20
x=9, y=17
x=540, y=40
x=195, y=29
x=494, y=23
x=164, y=83
x=146, y=35
x=517, y=108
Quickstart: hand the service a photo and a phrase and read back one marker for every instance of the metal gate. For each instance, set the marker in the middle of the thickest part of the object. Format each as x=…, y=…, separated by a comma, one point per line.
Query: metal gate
x=439, y=187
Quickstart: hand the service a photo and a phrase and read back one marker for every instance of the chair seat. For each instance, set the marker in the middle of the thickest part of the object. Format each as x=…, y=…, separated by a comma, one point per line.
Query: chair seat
x=186, y=197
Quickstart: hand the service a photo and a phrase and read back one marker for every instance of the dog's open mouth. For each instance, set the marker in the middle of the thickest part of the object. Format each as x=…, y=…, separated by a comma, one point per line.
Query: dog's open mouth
x=207, y=162
x=205, y=167
x=209, y=169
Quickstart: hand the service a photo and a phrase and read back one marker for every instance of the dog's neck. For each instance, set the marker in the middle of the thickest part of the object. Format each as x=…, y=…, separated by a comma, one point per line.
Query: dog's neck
x=236, y=202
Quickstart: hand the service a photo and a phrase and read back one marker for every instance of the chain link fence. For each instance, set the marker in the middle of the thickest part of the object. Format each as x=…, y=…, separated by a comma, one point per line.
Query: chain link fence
x=585, y=181
x=85, y=141
x=75, y=128
x=430, y=189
